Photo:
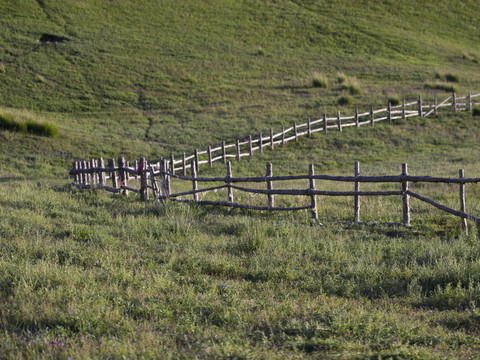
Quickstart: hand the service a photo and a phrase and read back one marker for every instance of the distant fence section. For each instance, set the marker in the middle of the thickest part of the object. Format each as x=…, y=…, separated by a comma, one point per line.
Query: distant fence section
x=247, y=146
x=154, y=182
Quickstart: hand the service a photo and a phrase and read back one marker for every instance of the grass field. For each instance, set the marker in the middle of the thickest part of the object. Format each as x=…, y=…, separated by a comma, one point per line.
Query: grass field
x=86, y=274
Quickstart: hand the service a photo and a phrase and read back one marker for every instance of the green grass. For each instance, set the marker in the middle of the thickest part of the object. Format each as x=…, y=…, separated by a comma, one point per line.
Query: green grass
x=19, y=121
x=86, y=274
x=441, y=86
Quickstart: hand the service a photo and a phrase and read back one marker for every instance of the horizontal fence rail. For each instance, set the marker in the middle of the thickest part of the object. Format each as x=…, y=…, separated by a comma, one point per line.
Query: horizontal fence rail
x=155, y=180
x=261, y=141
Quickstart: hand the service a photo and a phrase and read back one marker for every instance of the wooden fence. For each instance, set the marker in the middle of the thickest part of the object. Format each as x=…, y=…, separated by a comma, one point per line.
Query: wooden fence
x=155, y=183
x=247, y=146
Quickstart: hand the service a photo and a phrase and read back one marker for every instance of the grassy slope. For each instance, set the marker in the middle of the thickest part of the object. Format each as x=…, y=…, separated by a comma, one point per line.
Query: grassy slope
x=110, y=277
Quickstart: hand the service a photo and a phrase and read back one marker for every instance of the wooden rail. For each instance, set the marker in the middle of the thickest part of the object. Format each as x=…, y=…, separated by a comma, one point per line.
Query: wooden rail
x=88, y=174
x=251, y=144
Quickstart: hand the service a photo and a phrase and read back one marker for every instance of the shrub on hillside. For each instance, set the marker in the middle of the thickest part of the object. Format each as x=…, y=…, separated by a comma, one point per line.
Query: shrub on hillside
x=394, y=100
x=10, y=123
x=319, y=80
x=345, y=100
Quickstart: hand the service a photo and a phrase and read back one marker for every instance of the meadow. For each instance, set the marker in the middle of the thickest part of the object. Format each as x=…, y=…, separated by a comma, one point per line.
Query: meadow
x=87, y=274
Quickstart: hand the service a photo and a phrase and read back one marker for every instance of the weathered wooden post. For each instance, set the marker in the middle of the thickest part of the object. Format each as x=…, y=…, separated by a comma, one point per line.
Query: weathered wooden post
x=209, y=154
x=405, y=197
x=357, y=197
x=113, y=174
x=229, y=184
x=271, y=200
x=197, y=161
x=250, y=147
x=339, y=119
x=357, y=122
x=194, y=181
x=271, y=138
x=454, y=102
x=167, y=189
x=260, y=142
x=224, y=152
x=309, y=128
x=143, y=179
x=136, y=168
x=172, y=164
x=461, y=175
x=75, y=175
x=295, y=130
x=93, y=165
x=420, y=106
x=184, y=164
x=389, y=112
x=88, y=166
x=122, y=174
x=283, y=135
x=436, y=105
x=101, y=174
x=372, y=119
x=237, y=144
x=404, y=110
x=470, y=102
x=313, y=197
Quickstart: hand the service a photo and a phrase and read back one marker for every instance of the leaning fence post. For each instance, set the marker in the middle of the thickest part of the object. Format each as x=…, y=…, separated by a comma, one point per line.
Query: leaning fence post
x=372, y=118
x=238, y=149
x=113, y=174
x=142, y=169
x=389, y=112
x=194, y=180
x=197, y=161
x=172, y=163
x=454, y=103
x=229, y=184
x=101, y=174
x=271, y=200
x=260, y=142
x=313, y=197
x=420, y=106
x=405, y=197
x=357, y=197
x=325, y=123
x=209, y=151
x=122, y=173
x=224, y=152
x=271, y=138
x=309, y=128
x=461, y=175
x=339, y=119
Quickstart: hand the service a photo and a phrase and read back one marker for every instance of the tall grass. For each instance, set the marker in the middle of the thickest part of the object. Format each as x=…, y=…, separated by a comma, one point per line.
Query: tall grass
x=23, y=122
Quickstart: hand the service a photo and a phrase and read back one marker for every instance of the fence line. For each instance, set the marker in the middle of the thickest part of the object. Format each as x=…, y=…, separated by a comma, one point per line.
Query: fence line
x=390, y=113
x=88, y=174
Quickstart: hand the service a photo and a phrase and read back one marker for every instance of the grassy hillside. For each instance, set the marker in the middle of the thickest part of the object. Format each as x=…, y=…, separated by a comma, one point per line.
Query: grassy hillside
x=84, y=274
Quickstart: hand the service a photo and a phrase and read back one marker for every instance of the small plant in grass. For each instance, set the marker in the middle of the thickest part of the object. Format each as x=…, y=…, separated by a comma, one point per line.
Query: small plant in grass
x=452, y=78
x=394, y=100
x=341, y=78
x=345, y=100
x=319, y=80
x=352, y=86
x=476, y=111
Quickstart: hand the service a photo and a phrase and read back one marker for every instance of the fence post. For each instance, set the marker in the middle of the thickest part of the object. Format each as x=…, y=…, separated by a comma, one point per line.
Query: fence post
x=356, y=117
x=167, y=178
x=76, y=176
x=143, y=179
x=197, y=161
x=389, y=112
x=184, y=164
x=172, y=163
x=238, y=149
x=436, y=105
x=404, y=113
x=194, y=181
x=325, y=123
x=250, y=147
x=357, y=197
x=229, y=187
x=101, y=174
x=271, y=200
x=136, y=168
x=454, y=102
x=87, y=173
x=309, y=127
x=271, y=137
x=405, y=197
x=283, y=135
x=209, y=151
x=260, y=142
x=127, y=174
x=313, y=198
x=420, y=106
x=470, y=102
x=461, y=175
x=122, y=173
x=295, y=131
x=113, y=174
x=339, y=119
x=371, y=116
x=93, y=165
